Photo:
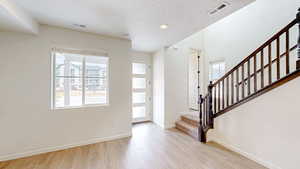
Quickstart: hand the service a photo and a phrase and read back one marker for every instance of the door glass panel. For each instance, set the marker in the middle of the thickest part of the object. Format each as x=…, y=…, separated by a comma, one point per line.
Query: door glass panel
x=138, y=97
x=138, y=68
x=139, y=112
x=139, y=83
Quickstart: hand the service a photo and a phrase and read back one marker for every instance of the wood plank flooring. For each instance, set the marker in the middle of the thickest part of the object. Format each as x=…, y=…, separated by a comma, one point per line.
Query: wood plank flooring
x=150, y=147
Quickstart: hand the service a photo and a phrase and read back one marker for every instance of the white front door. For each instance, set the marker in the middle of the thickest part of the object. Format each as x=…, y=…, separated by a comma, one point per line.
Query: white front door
x=141, y=93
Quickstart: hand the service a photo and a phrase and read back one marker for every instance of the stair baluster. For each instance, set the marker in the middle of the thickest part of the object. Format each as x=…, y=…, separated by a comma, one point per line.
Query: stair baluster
x=213, y=104
x=298, y=44
x=239, y=85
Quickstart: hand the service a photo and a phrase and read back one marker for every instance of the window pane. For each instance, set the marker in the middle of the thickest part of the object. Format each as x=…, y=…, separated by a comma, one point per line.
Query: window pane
x=222, y=68
x=68, y=92
x=95, y=91
x=138, y=68
x=68, y=65
x=96, y=66
x=139, y=112
x=59, y=65
x=139, y=83
x=217, y=70
x=59, y=92
x=69, y=78
x=76, y=92
x=138, y=97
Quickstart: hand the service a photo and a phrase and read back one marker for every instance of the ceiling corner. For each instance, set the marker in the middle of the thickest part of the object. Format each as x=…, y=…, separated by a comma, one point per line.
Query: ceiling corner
x=16, y=18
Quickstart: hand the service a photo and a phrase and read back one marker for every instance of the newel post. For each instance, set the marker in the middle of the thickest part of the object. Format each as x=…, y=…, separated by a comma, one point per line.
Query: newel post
x=298, y=44
x=210, y=105
x=201, y=133
x=200, y=100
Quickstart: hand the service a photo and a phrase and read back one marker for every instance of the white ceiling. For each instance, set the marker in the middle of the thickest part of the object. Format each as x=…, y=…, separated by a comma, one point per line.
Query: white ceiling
x=138, y=18
x=14, y=18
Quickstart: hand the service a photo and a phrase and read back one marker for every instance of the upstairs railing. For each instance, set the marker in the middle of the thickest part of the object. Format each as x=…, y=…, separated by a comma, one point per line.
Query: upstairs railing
x=267, y=67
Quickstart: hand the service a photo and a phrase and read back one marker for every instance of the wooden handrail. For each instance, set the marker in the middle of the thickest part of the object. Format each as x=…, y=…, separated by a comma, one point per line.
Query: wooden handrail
x=241, y=96
x=266, y=66
x=298, y=21
x=274, y=85
x=214, y=104
x=294, y=22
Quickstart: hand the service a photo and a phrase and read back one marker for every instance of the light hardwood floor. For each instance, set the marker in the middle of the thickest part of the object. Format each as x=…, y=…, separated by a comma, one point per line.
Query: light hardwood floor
x=150, y=147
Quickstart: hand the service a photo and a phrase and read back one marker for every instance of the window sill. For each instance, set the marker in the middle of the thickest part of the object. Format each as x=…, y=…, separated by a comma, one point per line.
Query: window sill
x=80, y=107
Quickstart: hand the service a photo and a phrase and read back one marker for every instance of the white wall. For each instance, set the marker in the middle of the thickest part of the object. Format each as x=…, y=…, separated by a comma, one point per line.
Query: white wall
x=186, y=48
x=193, y=79
x=176, y=85
x=171, y=65
x=27, y=124
x=14, y=18
x=238, y=35
x=159, y=88
x=170, y=85
x=265, y=129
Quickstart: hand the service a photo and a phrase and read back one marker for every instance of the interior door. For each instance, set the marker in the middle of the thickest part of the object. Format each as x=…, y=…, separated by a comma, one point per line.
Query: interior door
x=140, y=92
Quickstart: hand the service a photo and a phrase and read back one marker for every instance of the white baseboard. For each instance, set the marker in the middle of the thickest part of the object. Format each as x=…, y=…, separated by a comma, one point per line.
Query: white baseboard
x=248, y=155
x=56, y=148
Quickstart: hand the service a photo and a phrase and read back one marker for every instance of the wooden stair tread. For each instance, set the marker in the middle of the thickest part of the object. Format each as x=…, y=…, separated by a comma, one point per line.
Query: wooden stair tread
x=187, y=128
x=192, y=117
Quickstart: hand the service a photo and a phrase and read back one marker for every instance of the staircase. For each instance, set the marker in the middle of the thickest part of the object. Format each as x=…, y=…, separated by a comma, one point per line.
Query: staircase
x=269, y=66
x=189, y=124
